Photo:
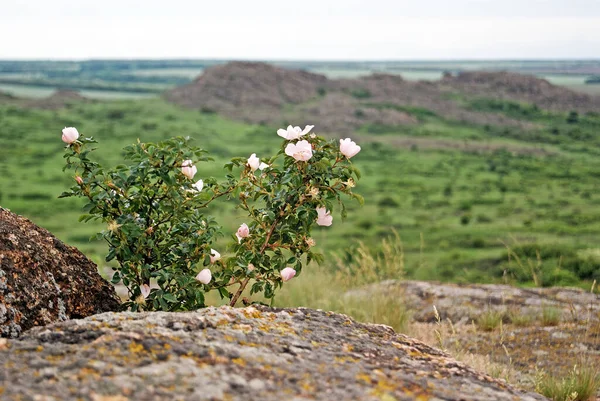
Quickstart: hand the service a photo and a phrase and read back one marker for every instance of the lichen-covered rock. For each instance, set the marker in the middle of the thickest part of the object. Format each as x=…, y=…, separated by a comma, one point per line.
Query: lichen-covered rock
x=42, y=280
x=467, y=302
x=234, y=354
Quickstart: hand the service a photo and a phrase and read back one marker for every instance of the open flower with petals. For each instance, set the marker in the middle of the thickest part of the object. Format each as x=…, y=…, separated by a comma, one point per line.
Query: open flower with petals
x=204, y=276
x=242, y=232
x=214, y=256
x=188, y=169
x=70, y=135
x=324, y=217
x=253, y=162
x=292, y=133
x=263, y=166
x=287, y=274
x=198, y=185
x=301, y=151
x=348, y=147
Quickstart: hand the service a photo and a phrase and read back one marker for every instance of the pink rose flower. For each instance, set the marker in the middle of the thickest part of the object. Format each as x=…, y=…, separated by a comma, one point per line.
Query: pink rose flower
x=292, y=133
x=242, y=232
x=188, y=169
x=204, y=276
x=79, y=180
x=287, y=274
x=324, y=217
x=214, y=256
x=301, y=151
x=69, y=135
x=348, y=147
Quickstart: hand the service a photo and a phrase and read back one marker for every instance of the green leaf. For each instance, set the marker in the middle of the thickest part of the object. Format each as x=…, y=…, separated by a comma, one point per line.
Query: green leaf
x=224, y=293
x=359, y=198
x=116, y=278
x=66, y=194
x=170, y=297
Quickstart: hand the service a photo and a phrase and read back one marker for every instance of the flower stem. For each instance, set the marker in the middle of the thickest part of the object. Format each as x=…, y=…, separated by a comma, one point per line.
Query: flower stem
x=262, y=249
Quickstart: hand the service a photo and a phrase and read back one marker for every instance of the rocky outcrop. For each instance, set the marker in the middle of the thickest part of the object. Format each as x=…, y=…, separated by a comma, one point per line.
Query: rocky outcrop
x=465, y=303
x=234, y=354
x=253, y=92
x=43, y=280
x=521, y=87
x=528, y=330
x=264, y=94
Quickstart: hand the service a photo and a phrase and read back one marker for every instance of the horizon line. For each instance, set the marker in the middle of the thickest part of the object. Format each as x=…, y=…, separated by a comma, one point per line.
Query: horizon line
x=371, y=60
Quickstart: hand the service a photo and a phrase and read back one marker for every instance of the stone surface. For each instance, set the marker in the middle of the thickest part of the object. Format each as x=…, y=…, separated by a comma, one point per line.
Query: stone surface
x=468, y=302
x=234, y=354
x=43, y=280
x=528, y=341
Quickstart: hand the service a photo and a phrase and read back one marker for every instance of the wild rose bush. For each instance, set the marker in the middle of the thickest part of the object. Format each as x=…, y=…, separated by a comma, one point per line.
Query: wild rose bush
x=159, y=232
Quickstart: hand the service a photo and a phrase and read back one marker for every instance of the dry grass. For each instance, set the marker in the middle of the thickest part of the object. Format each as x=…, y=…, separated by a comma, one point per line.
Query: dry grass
x=326, y=287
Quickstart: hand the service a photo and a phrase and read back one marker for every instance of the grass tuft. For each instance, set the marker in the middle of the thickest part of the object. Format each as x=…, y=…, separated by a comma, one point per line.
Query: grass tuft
x=490, y=320
x=551, y=316
x=580, y=385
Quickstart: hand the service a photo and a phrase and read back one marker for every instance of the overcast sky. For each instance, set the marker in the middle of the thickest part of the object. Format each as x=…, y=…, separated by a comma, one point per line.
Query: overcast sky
x=304, y=29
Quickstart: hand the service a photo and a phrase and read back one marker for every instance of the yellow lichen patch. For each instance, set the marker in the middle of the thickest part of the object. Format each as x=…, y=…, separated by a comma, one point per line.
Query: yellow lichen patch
x=364, y=378
x=1, y=390
x=307, y=387
x=282, y=328
x=346, y=359
x=385, y=385
x=245, y=328
x=39, y=348
x=54, y=358
x=135, y=347
x=228, y=338
x=252, y=313
x=223, y=322
x=317, y=344
x=239, y=362
x=98, y=397
x=88, y=374
x=347, y=347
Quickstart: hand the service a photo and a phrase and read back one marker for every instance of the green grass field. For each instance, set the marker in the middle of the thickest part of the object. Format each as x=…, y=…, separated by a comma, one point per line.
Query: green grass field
x=456, y=211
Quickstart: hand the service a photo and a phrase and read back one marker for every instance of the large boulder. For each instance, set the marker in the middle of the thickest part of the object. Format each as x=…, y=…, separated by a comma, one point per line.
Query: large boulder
x=43, y=280
x=234, y=354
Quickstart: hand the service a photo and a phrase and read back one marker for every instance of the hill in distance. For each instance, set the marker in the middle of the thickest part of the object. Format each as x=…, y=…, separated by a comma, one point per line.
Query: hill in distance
x=265, y=94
